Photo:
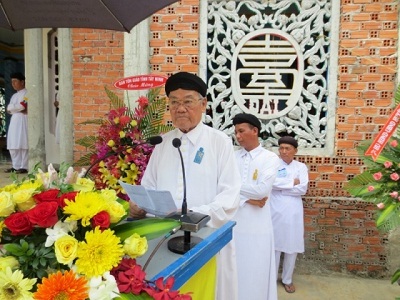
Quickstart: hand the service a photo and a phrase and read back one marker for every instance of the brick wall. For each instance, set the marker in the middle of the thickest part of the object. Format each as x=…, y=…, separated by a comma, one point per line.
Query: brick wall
x=97, y=63
x=340, y=231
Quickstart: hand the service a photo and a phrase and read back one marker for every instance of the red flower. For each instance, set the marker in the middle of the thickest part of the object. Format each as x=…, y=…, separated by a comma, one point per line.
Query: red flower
x=102, y=219
x=143, y=101
x=19, y=224
x=123, y=120
x=67, y=196
x=163, y=291
x=132, y=280
x=47, y=196
x=44, y=214
x=394, y=176
x=377, y=176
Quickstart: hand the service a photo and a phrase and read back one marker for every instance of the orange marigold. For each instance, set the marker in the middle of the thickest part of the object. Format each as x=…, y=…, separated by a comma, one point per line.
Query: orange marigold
x=62, y=286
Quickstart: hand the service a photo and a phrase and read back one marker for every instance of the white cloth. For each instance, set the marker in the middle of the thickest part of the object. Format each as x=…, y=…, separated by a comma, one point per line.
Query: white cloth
x=17, y=135
x=289, y=262
x=287, y=207
x=253, y=233
x=213, y=186
x=19, y=158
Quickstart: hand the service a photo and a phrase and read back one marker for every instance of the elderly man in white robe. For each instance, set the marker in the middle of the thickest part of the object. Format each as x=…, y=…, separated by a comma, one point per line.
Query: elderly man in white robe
x=287, y=209
x=254, y=238
x=17, y=135
x=213, y=179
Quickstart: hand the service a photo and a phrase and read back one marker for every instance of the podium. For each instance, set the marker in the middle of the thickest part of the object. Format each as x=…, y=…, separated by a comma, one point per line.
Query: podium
x=182, y=267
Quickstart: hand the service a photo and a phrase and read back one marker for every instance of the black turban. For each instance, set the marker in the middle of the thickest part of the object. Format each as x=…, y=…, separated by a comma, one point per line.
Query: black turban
x=247, y=118
x=18, y=76
x=185, y=81
x=288, y=140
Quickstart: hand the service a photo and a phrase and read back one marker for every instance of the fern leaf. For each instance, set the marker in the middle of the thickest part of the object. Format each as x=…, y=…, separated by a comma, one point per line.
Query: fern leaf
x=84, y=160
x=87, y=141
x=116, y=102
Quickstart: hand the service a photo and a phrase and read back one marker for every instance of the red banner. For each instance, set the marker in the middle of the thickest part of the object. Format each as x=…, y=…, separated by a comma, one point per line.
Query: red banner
x=140, y=82
x=384, y=135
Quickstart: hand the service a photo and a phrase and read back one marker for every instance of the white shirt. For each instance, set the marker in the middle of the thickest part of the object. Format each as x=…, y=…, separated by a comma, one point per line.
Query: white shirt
x=287, y=207
x=17, y=135
x=254, y=239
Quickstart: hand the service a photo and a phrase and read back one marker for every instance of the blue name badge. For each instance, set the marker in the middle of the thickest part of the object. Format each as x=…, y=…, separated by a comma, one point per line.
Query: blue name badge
x=199, y=155
x=282, y=173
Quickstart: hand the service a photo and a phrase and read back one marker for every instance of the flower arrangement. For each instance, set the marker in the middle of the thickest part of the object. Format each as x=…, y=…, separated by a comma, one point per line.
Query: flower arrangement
x=380, y=182
x=64, y=239
x=118, y=151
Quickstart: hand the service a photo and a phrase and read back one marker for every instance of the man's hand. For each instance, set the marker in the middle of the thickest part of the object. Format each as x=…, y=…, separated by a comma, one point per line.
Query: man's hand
x=296, y=181
x=260, y=203
x=135, y=211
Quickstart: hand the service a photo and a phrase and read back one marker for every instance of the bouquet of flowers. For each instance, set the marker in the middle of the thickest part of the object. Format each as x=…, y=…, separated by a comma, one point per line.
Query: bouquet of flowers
x=118, y=151
x=63, y=239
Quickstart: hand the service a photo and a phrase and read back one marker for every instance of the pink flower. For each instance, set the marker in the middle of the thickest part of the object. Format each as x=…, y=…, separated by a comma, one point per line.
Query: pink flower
x=394, y=194
x=393, y=143
x=377, y=176
x=380, y=205
x=371, y=188
x=394, y=176
x=388, y=164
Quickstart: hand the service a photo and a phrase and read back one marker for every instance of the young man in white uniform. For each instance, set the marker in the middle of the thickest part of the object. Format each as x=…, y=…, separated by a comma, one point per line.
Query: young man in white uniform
x=287, y=209
x=17, y=135
x=254, y=237
x=212, y=176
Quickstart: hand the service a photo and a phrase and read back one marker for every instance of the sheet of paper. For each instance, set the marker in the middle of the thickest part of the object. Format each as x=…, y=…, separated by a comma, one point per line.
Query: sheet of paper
x=158, y=203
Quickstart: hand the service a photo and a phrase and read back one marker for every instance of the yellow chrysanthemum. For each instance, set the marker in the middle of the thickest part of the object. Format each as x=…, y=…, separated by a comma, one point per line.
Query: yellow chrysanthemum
x=62, y=286
x=85, y=206
x=116, y=120
x=121, y=134
x=100, y=252
x=133, y=123
x=13, y=285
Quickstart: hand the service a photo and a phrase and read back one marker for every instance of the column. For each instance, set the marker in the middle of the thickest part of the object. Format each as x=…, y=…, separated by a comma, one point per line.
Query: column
x=34, y=84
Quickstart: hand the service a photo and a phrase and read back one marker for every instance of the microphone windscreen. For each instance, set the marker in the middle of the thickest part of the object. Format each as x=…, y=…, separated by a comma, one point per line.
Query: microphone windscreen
x=176, y=142
x=155, y=140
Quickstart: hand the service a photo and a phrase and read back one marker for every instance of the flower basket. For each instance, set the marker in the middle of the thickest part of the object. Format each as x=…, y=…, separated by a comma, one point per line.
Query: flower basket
x=64, y=239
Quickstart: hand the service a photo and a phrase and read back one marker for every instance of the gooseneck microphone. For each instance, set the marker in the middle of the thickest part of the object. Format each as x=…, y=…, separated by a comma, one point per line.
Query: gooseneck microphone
x=191, y=221
x=177, y=144
x=154, y=140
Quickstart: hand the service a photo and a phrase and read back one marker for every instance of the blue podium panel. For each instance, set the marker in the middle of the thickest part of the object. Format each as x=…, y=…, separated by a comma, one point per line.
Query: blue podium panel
x=166, y=263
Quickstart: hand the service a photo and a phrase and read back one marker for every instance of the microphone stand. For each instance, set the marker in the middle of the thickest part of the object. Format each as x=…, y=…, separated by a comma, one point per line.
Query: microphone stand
x=177, y=244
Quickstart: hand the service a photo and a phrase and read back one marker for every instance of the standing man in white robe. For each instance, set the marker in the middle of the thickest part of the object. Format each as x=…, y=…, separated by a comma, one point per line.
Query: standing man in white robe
x=213, y=179
x=287, y=209
x=253, y=232
x=17, y=135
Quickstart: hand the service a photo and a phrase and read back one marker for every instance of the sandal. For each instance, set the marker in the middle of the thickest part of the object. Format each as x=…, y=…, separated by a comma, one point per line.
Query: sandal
x=9, y=170
x=289, y=288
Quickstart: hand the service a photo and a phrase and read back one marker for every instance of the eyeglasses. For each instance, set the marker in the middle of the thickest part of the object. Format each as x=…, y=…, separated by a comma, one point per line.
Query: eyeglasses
x=186, y=102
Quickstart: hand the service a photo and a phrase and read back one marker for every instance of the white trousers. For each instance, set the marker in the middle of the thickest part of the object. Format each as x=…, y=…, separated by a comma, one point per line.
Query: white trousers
x=289, y=261
x=19, y=158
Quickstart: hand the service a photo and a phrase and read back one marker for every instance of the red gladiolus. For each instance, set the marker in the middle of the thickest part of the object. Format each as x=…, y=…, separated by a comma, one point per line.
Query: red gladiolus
x=19, y=224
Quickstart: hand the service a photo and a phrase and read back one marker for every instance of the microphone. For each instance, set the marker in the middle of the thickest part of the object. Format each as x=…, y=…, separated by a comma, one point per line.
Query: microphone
x=154, y=140
x=177, y=144
x=191, y=221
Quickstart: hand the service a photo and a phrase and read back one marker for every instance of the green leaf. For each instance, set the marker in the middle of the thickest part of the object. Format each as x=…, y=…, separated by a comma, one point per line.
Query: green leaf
x=396, y=276
x=87, y=141
x=385, y=213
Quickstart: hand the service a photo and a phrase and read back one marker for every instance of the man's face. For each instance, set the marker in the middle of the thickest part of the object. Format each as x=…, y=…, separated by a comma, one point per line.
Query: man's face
x=246, y=135
x=17, y=84
x=287, y=152
x=186, y=108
